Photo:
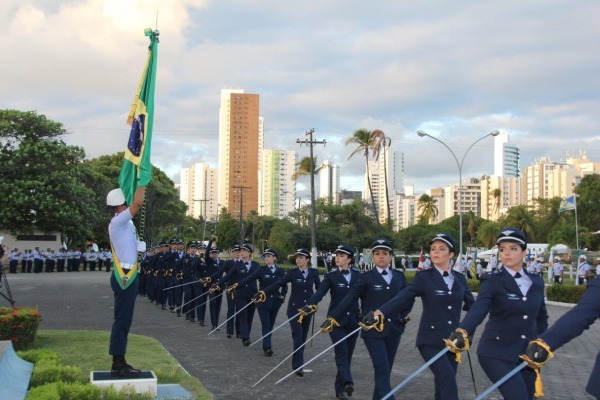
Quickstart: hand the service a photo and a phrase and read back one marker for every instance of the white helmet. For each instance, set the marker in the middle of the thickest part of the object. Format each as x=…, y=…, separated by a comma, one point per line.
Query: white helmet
x=115, y=198
x=583, y=257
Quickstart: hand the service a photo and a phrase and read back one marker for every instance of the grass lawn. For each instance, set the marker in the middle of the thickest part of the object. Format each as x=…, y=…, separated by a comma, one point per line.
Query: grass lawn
x=88, y=350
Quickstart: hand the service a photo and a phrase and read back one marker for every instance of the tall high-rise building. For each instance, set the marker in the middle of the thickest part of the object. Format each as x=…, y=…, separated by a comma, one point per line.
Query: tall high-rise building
x=387, y=180
x=198, y=189
x=278, y=189
x=498, y=194
x=471, y=198
x=507, y=157
x=240, y=151
x=329, y=181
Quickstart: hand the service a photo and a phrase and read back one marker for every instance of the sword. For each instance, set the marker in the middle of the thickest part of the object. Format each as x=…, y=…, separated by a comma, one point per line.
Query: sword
x=472, y=374
x=271, y=332
x=417, y=372
x=320, y=354
x=237, y=312
x=282, y=361
x=189, y=301
x=207, y=301
x=502, y=380
x=183, y=284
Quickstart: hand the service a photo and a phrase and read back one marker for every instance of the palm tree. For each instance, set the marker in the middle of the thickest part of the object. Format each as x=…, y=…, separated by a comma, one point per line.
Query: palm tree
x=497, y=195
x=362, y=138
x=380, y=144
x=304, y=168
x=521, y=217
x=487, y=233
x=427, y=207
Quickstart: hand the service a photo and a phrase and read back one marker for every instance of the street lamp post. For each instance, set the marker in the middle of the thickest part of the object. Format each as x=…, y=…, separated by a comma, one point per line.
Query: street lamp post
x=459, y=165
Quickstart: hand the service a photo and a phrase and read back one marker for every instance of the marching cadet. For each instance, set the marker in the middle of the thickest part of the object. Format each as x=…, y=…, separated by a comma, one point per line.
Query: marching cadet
x=92, y=259
x=338, y=283
x=13, y=261
x=557, y=270
x=199, y=288
x=108, y=260
x=101, y=259
x=24, y=258
x=38, y=261
x=568, y=327
x=375, y=287
x=213, y=264
x=227, y=266
x=160, y=272
x=303, y=280
x=69, y=260
x=49, y=256
x=583, y=270
x=170, y=280
x=60, y=260
x=241, y=290
x=267, y=275
x=515, y=303
x=76, y=260
x=189, y=266
x=443, y=293
x=177, y=292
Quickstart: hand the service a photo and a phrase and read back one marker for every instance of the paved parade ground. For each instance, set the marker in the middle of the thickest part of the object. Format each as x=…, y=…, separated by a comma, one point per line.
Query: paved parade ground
x=83, y=301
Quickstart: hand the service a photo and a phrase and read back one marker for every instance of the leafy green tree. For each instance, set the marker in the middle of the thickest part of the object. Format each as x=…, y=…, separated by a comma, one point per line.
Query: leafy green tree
x=588, y=206
x=523, y=218
x=41, y=181
x=364, y=143
x=487, y=233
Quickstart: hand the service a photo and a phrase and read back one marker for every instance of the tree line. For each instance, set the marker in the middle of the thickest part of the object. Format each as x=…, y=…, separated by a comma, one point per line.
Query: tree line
x=49, y=186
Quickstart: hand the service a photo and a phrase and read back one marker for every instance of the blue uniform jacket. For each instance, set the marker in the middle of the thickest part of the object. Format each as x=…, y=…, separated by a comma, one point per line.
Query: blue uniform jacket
x=339, y=287
x=441, y=307
x=514, y=319
x=373, y=292
x=236, y=274
x=573, y=323
x=266, y=278
x=302, y=289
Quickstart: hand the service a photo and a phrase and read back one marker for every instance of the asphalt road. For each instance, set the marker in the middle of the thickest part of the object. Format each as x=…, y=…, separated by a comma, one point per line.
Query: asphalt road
x=83, y=301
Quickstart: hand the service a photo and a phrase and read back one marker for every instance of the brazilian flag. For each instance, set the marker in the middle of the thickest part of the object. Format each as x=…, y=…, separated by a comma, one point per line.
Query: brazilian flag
x=137, y=168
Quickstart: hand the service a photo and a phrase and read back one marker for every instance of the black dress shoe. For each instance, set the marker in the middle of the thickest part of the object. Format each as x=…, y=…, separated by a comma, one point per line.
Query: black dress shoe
x=268, y=352
x=246, y=342
x=192, y=319
x=238, y=336
x=201, y=323
x=229, y=336
x=349, y=389
x=124, y=371
x=187, y=317
x=300, y=373
x=341, y=395
x=178, y=313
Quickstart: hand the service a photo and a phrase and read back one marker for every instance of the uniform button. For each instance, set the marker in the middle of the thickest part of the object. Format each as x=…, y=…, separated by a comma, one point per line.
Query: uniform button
x=497, y=337
x=450, y=292
x=432, y=327
x=525, y=317
x=389, y=320
x=348, y=313
x=388, y=288
x=449, y=322
x=523, y=337
x=524, y=298
x=449, y=307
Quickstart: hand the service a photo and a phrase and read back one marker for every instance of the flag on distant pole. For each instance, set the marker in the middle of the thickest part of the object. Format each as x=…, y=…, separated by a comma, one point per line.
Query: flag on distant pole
x=567, y=204
x=473, y=266
x=421, y=261
x=137, y=168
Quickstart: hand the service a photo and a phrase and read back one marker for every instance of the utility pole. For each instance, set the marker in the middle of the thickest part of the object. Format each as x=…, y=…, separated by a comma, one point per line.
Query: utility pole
x=313, y=223
x=241, y=188
x=203, y=216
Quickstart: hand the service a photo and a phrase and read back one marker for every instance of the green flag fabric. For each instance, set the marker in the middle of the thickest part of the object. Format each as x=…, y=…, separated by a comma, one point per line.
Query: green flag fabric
x=137, y=169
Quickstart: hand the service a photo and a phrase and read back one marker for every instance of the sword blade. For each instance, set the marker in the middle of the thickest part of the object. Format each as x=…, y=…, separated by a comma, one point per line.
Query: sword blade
x=293, y=352
x=188, y=302
x=183, y=284
x=417, y=372
x=502, y=380
x=320, y=354
x=237, y=312
x=206, y=302
x=270, y=333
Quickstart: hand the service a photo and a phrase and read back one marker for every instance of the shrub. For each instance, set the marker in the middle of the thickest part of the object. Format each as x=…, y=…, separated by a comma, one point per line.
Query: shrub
x=65, y=391
x=565, y=293
x=35, y=355
x=47, y=370
x=474, y=284
x=19, y=325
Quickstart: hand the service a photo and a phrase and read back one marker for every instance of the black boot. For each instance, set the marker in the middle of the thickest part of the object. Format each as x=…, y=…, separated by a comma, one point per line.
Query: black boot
x=120, y=368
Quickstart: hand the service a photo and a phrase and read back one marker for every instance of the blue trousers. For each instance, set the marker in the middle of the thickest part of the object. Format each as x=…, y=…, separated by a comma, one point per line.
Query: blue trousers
x=201, y=311
x=343, y=355
x=444, y=372
x=230, y=312
x=245, y=316
x=215, y=308
x=382, y=351
x=267, y=321
x=299, y=335
x=124, y=304
x=519, y=387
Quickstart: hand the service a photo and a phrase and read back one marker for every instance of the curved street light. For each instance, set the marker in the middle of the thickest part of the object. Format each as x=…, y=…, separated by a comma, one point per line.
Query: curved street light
x=459, y=165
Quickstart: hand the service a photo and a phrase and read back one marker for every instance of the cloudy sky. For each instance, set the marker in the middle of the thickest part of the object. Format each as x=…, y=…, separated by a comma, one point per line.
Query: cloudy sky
x=456, y=69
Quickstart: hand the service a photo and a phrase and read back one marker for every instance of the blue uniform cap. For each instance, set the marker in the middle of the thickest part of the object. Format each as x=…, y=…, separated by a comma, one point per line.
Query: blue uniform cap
x=215, y=250
x=345, y=249
x=235, y=247
x=270, y=251
x=192, y=243
x=303, y=252
x=512, y=235
x=381, y=244
x=446, y=238
x=247, y=247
